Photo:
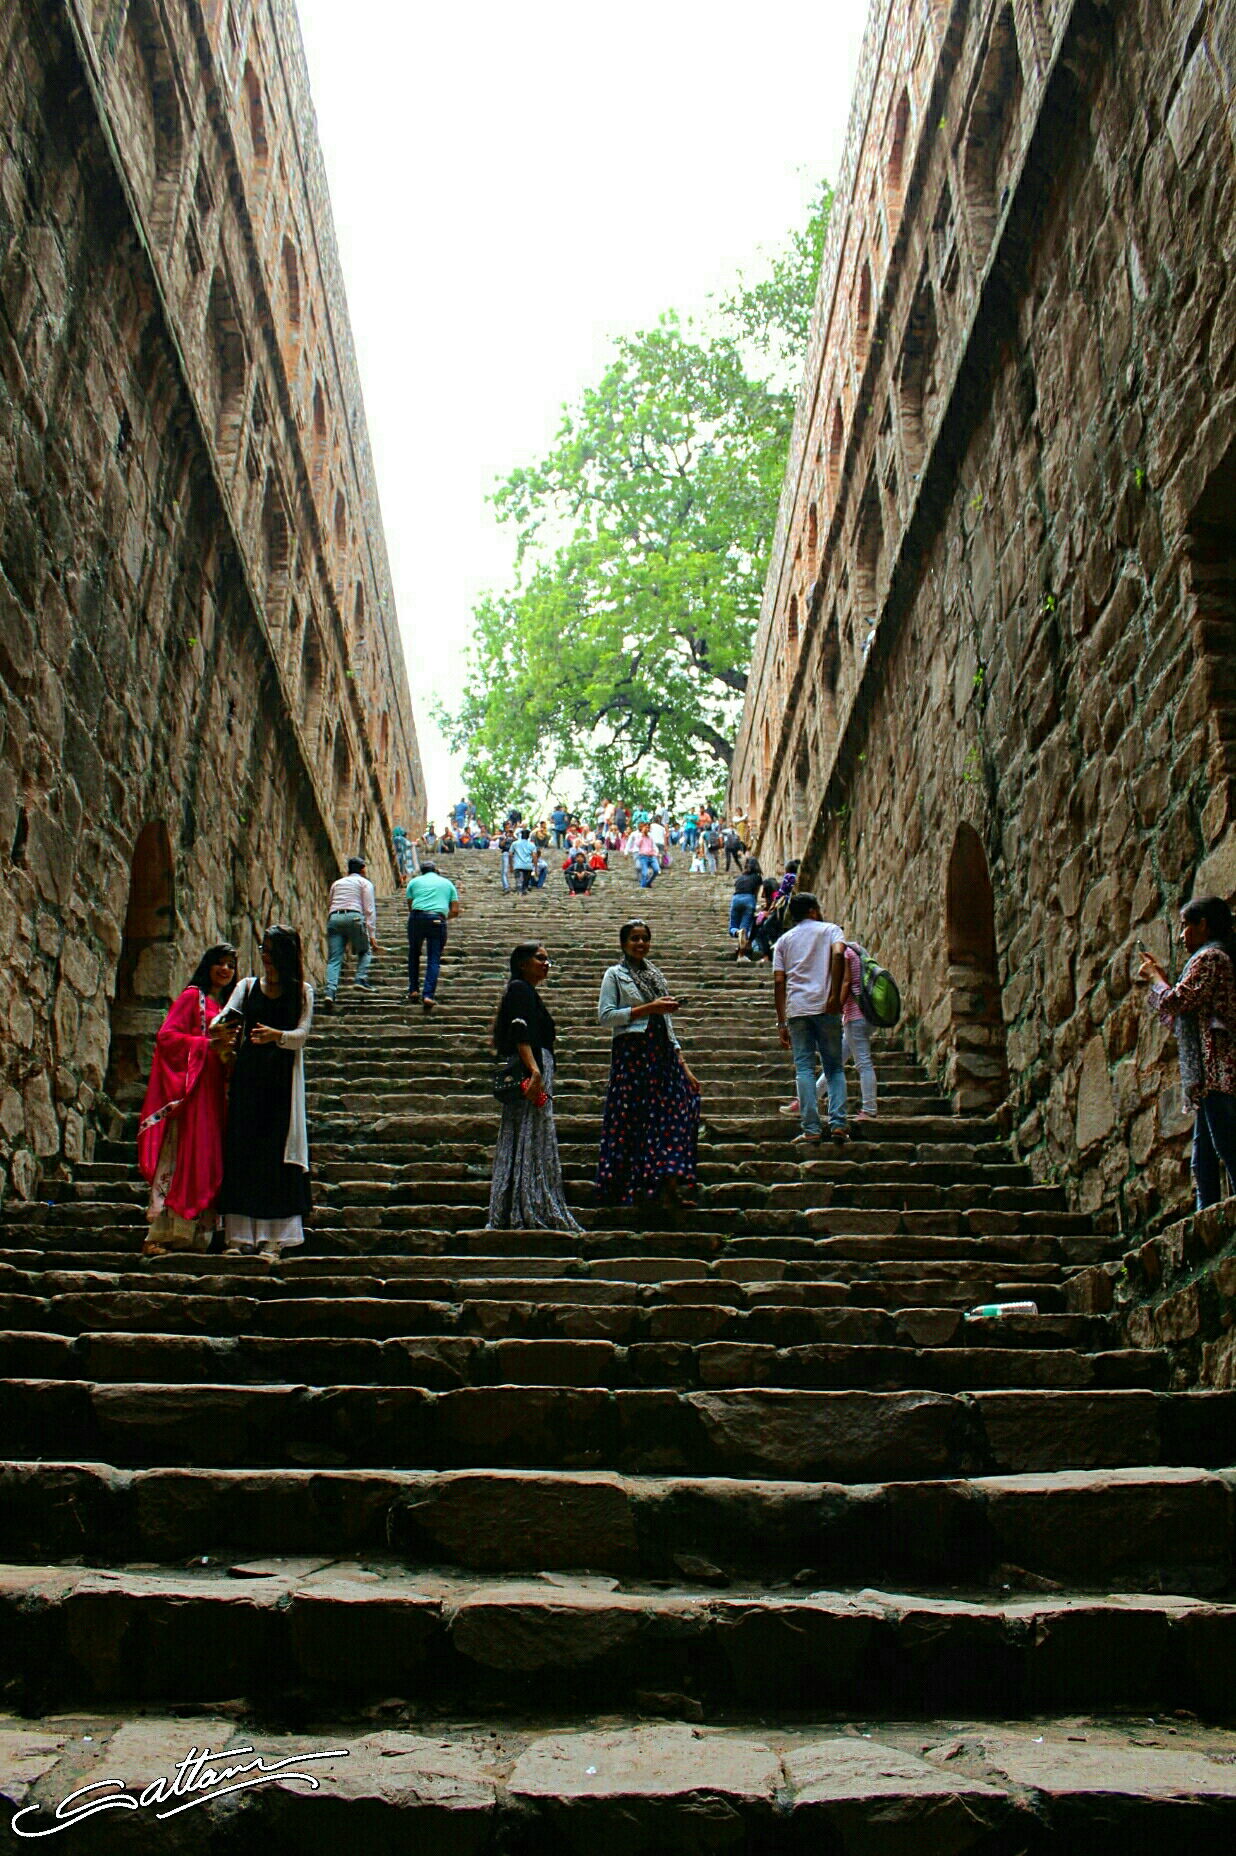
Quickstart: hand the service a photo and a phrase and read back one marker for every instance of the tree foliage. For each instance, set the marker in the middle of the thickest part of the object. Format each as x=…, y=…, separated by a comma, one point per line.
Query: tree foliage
x=621, y=650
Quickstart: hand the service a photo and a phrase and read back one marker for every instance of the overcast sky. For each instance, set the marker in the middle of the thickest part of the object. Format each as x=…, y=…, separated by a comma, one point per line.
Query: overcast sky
x=512, y=186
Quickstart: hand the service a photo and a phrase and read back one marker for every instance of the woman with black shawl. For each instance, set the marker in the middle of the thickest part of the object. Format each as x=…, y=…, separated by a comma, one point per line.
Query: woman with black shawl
x=527, y=1193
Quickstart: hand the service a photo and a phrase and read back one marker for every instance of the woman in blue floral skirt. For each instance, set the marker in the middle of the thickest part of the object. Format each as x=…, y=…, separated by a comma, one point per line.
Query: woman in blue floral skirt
x=650, y=1128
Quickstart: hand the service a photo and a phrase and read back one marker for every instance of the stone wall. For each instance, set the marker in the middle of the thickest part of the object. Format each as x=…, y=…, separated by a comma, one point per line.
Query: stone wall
x=991, y=701
x=203, y=702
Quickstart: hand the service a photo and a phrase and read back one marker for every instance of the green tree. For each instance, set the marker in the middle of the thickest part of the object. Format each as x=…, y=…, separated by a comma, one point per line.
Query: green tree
x=621, y=651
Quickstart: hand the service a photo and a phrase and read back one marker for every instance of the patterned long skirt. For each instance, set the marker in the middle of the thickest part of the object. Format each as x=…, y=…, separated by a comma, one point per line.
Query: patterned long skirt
x=527, y=1193
x=651, y=1126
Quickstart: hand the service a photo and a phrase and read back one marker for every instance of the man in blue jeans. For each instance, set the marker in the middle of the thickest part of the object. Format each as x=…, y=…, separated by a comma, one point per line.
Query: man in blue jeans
x=808, y=969
x=432, y=901
x=351, y=921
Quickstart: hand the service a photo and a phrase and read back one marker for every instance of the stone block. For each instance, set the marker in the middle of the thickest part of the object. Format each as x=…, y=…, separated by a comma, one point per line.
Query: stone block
x=1096, y=1113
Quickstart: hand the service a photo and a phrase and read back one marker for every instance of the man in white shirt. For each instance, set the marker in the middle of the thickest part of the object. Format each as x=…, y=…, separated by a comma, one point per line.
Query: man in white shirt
x=808, y=968
x=351, y=921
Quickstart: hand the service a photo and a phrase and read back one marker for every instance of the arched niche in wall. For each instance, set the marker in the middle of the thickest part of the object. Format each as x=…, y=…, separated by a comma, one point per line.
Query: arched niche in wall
x=977, y=1067
x=145, y=973
x=319, y=433
x=275, y=551
x=311, y=684
x=1211, y=565
x=801, y=794
x=289, y=291
x=255, y=110
x=990, y=145
x=836, y=451
x=341, y=782
x=155, y=138
x=917, y=384
x=896, y=173
x=225, y=362
x=862, y=318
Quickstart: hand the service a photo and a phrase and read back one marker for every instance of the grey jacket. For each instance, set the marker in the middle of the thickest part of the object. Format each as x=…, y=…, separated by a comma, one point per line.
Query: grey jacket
x=618, y=994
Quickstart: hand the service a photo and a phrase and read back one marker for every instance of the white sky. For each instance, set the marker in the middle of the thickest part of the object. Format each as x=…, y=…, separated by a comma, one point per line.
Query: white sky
x=511, y=186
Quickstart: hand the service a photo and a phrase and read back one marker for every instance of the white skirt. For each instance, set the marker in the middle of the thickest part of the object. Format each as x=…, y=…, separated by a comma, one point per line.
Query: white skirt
x=256, y=1233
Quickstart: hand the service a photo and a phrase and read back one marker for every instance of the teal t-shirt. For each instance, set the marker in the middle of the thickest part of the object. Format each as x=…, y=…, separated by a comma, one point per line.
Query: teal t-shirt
x=432, y=893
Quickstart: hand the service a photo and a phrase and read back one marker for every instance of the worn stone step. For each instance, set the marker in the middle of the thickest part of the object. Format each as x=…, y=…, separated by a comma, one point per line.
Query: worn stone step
x=849, y=1436
x=577, y=1787
x=348, y=1633
x=1164, y=1529
x=439, y=1363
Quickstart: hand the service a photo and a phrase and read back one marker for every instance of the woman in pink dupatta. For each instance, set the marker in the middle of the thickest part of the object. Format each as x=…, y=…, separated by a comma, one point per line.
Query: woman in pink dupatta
x=180, y=1136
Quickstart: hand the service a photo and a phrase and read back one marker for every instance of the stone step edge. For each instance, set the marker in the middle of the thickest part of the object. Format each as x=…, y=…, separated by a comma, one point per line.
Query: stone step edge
x=1030, y=1531
x=332, y=1633
x=566, y=1784
x=844, y=1436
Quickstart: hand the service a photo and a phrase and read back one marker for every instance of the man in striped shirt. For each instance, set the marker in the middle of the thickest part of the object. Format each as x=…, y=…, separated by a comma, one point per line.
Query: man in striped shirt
x=351, y=921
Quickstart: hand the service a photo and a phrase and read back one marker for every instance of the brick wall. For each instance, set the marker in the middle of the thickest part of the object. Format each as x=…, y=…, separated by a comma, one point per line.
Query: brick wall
x=991, y=699
x=203, y=702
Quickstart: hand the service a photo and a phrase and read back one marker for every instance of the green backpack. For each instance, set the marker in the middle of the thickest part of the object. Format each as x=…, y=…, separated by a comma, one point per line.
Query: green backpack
x=879, y=1000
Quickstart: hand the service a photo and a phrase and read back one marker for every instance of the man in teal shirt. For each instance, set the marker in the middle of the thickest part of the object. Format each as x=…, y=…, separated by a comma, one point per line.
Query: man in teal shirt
x=432, y=901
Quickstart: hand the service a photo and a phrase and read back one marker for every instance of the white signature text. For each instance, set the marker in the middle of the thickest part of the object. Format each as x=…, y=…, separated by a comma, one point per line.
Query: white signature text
x=194, y=1782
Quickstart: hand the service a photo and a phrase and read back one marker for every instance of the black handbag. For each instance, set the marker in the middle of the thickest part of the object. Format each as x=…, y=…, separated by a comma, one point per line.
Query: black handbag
x=508, y=1079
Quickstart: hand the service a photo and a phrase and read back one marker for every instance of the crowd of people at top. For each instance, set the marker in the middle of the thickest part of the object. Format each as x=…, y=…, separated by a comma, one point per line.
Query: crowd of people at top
x=585, y=841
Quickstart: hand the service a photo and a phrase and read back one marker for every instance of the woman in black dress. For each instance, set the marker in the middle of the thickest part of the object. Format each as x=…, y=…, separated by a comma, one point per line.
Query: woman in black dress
x=266, y=1147
x=527, y=1192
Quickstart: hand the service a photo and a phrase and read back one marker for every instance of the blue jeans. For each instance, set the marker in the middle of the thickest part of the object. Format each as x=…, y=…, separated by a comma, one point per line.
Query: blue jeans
x=742, y=914
x=538, y=881
x=822, y=1033
x=689, y=835
x=647, y=868
x=345, y=928
x=1214, y=1146
x=427, y=931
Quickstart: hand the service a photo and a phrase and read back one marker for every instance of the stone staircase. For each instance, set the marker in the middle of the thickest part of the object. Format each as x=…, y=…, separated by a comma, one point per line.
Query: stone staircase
x=731, y=1535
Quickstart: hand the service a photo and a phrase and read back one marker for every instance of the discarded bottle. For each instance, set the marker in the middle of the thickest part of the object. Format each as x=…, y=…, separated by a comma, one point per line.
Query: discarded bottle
x=1001, y=1311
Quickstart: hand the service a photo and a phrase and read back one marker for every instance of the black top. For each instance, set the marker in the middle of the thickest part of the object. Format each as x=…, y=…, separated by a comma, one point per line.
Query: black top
x=523, y=1019
x=748, y=884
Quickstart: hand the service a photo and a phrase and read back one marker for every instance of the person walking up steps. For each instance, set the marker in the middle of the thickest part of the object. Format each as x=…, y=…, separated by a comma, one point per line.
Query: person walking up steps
x=855, y=1036
x=523, y=856
x=527, y=1193
x=432, y=901
x=808, y=973
x=351, y=921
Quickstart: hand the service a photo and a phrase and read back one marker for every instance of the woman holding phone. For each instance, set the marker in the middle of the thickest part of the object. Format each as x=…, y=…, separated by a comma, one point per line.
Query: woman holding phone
x=266, y=1151
x=651, y=1123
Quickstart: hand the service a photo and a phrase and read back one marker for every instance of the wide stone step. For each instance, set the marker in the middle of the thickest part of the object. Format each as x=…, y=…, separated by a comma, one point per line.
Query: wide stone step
x=350, y=1633
x=849, y=1436
x=576, y=1787
x=441, y=1362
x=779, y=1324
x=1165, y=1529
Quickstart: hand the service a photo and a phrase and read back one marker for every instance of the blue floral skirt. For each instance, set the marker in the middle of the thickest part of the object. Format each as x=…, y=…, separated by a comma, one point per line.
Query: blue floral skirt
x=650, y=1129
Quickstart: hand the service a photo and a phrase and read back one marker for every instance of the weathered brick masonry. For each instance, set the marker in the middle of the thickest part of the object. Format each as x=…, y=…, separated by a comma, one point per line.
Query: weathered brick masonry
x=203, y=700
x=993, y=697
